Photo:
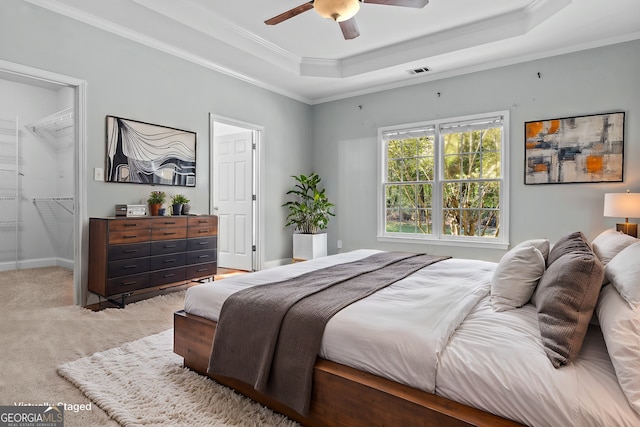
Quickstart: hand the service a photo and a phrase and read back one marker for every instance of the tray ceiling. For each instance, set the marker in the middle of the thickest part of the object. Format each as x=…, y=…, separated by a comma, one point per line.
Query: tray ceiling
x=307, y=58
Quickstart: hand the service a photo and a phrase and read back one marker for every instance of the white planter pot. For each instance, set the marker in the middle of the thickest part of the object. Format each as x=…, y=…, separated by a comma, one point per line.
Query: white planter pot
x=309, y=246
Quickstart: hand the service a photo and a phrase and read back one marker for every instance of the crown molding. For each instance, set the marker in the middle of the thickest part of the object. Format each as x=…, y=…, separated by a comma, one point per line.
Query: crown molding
x=87, y=18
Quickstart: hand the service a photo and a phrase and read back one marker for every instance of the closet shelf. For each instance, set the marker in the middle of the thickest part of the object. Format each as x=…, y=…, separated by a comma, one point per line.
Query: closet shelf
x=56, y=128
x=10, y=223
x=58, y=200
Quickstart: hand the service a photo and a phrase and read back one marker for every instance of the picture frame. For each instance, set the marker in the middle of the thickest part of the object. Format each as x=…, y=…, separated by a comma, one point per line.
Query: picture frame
x=576, y=149
x=145, y=153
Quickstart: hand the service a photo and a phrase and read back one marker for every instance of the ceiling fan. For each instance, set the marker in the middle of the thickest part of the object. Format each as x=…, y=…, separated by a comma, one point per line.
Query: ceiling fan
x=341, y=11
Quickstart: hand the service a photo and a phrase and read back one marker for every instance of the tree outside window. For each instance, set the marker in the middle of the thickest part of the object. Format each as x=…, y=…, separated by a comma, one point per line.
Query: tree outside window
x=444, y=180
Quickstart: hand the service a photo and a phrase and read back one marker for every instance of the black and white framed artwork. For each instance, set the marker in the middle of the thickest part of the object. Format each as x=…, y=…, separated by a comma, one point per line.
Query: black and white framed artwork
x=145, y=153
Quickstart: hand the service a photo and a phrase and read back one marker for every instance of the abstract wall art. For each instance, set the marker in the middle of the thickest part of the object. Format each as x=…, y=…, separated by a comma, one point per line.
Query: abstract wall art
x=144, y=153
x=574, y=149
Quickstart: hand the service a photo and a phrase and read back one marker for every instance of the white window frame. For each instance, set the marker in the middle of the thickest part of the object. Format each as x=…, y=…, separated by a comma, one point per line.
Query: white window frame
x=437, y=238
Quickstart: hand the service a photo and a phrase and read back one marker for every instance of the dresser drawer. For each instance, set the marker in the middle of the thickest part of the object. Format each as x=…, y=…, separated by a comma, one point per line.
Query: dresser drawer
x=170, y=275
x=203, y=221
x=129, y=236
x=135, y=250
x=168, y=233
x=128, y=224
x=127, y=267
x=199, y=257
x=202, y=270
x=161, y=262
x=168, y=246
x=202, y=243
x=127, y=284
x=211, y=230
x=170, y=222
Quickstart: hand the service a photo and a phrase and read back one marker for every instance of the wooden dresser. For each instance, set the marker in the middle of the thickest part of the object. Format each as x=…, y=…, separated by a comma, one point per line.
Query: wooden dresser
x=135, y=255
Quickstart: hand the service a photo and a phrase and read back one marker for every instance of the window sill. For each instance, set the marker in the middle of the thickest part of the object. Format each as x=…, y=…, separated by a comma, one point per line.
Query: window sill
x=445, y=242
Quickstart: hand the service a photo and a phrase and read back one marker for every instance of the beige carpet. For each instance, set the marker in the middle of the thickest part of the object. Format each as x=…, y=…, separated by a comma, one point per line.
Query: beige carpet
x=41, y=330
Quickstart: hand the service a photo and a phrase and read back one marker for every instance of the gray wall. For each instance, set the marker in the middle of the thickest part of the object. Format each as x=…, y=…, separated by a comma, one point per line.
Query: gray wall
x=133, y=81
x=588, y=82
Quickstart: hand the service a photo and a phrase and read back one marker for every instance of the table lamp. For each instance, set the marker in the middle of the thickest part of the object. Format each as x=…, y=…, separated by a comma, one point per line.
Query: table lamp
x=623, y=205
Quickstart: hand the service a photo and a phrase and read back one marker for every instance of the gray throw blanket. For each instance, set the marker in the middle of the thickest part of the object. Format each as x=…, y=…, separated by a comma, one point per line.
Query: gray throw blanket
x=269, y=336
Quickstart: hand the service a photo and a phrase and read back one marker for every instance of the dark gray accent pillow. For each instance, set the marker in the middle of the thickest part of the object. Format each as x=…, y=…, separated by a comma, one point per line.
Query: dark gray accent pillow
x=574, y=242
x=566, y=297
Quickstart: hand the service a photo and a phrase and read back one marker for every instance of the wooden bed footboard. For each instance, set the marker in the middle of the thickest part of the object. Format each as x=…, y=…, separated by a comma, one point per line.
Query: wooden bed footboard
x=341, y=396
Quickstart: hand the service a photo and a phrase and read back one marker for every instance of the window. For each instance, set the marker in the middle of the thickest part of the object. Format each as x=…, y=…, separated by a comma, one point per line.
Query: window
x=444, y=180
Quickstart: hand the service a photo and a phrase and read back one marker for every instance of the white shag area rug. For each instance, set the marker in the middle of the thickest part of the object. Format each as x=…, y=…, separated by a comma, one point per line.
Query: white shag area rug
x=143, y=383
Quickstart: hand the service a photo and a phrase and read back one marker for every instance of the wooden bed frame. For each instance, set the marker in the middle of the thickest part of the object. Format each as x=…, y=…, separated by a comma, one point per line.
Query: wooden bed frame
x=342, y=396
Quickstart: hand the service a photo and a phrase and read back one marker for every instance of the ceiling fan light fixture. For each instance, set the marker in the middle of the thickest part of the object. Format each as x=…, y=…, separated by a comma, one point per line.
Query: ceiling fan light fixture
x=337, y=10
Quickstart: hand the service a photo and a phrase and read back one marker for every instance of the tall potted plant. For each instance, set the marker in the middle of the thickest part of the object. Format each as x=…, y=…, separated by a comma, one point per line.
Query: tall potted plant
x=309, y=213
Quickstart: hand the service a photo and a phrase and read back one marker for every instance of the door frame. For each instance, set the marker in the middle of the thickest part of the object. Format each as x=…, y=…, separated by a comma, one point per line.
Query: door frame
x=80, y=219
x=257, y=179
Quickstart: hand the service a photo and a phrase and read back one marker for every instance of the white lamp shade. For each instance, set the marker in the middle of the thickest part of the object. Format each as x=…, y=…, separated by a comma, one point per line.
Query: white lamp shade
x=338, y=10
x=622, y=205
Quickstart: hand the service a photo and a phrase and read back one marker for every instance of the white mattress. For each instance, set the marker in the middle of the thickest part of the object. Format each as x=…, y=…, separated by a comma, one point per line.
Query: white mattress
x=435, y=331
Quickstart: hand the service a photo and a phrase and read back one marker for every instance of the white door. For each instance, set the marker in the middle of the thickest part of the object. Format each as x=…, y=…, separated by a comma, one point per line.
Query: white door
x=233, y=198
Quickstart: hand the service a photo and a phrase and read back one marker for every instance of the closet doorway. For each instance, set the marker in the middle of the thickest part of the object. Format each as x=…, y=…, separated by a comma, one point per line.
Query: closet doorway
x=235, y=148
x=41, y=156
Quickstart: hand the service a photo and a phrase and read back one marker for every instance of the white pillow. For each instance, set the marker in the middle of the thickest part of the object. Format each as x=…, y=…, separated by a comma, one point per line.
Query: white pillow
x=516, y=277
x=621, y=328
x=623, y=271
x=540, y=244
x=609, y=243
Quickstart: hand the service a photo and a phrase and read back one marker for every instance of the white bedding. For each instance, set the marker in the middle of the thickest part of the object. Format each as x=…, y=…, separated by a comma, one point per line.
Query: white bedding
x=435, y=331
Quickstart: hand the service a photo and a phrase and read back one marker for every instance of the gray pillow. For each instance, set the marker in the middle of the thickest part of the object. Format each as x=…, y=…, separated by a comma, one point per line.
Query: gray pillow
x=574, y=242
x=566, y=297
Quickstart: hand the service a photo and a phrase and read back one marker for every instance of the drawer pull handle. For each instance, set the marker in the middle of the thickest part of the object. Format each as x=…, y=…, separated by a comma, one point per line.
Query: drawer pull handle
x=169, y=275
x=169, y=246
x=129, y=283
x=204, y=221
x=204, y=231
x=126, y=267
x=168, y=233
x=203, y=243
x=130, y=251
x=135, y=224
x=203, y=256
x=169, y=260
x=133, y=236
x=202, y=269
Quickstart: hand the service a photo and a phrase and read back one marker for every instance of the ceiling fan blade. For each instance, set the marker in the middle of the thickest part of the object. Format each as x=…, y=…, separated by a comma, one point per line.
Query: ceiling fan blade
x=349, y=29
x=406, y=3
x=289, y=14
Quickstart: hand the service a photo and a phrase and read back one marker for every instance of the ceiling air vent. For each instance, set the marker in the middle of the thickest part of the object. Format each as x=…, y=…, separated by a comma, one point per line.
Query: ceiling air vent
x=418, y=70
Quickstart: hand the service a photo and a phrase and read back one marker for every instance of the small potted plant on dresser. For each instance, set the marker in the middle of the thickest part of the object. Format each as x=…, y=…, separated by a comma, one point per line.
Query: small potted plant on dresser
x=155, y=201
x=308, y=214
x=177, y=202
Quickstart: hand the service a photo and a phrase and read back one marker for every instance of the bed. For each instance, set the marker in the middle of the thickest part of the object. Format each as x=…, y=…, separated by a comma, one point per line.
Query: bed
x=457, y=343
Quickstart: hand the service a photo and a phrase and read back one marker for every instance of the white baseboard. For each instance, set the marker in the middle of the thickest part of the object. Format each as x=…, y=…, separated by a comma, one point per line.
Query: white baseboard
x=36, y=263
x=65, y=262
x=276, y=263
